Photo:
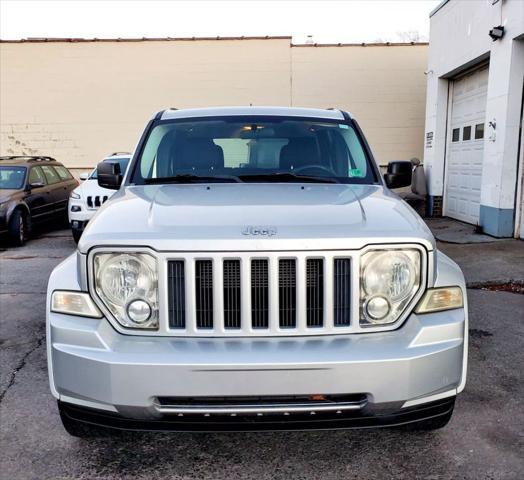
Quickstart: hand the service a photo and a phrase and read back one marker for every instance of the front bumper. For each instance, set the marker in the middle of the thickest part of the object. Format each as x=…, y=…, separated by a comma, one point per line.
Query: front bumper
x=334, y=421
x=84, y=215
x=93, y=366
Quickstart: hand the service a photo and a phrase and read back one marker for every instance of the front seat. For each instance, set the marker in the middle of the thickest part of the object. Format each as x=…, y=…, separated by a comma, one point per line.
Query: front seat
x=197, y=154
x=299, y=152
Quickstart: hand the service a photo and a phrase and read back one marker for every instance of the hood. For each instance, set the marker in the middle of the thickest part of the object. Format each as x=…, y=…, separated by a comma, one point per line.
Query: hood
x=7, y=193
x=91, y=187
x=204, y=217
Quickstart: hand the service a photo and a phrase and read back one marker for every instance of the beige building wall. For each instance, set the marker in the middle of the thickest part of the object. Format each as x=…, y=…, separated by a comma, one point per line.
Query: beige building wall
x=384, y=87
x=79, y=101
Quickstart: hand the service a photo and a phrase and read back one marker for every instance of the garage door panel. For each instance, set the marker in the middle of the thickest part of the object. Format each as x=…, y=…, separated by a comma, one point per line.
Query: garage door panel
x=465, y=152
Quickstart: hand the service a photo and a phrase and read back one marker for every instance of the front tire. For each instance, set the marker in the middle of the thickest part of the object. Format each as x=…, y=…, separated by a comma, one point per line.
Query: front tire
x=18, y=228
x=76, y=235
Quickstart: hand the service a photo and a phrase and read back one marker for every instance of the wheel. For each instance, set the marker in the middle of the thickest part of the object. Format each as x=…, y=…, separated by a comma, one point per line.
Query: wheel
x=18, y=227
x=83, y=430
x=76, y=234
x=430, y=424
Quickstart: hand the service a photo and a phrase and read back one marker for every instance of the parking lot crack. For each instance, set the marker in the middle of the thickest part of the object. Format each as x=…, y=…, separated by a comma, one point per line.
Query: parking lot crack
x=21, y=364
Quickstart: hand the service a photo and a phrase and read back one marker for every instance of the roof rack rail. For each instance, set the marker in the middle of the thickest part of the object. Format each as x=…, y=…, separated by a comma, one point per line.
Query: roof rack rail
x=42, y=159
x=29, y=158
x=345, y=114
x=119, y=153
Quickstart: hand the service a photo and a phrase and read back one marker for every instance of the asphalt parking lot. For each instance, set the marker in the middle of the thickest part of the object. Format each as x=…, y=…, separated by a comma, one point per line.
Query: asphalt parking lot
x=484, y=440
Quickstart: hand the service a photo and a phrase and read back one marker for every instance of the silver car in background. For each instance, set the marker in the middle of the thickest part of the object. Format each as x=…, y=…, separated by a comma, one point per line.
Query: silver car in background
x=255, y=272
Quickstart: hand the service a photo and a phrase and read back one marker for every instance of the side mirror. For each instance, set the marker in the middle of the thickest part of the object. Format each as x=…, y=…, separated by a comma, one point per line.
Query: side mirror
x=109, y=175
x=84, y=176
x=399, y=174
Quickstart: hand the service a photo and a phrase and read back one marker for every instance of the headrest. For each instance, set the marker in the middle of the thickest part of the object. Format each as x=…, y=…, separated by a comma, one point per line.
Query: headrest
x=298, y=153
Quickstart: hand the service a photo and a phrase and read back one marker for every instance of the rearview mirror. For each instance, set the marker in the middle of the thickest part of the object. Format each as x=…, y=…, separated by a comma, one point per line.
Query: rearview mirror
x=109, y=175
x=399, y=174
x=37, y=185
x=84, y=176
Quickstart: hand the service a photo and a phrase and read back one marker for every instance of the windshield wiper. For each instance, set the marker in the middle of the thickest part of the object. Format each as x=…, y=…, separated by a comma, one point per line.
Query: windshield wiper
x=191, y=178
x=287, y=176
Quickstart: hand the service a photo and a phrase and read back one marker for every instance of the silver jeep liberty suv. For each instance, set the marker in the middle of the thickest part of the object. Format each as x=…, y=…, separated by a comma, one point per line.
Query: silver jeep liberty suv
x=255, y=272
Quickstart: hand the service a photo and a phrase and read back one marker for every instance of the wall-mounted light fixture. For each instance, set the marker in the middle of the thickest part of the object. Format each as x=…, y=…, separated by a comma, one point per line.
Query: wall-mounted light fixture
x=496, y=33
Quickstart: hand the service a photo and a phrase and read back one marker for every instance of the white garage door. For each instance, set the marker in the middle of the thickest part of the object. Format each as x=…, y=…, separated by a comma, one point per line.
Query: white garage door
x=466, y=146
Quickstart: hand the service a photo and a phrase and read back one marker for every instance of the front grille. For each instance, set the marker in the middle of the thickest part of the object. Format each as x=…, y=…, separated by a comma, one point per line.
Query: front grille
x=204, y=293
x=260, y=296
x=96, y=201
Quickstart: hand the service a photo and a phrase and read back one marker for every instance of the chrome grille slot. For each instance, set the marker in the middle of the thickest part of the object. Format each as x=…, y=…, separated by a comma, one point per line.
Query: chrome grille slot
x=315, y=292
x=231, y=283
x=177, y=294
x=342, y=292
x=204, y=293
x=287, y=293
x=95, y=201
x=259, y=294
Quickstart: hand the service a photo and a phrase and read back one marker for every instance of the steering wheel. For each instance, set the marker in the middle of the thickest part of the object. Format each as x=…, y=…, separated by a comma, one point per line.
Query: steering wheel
x=307, y=168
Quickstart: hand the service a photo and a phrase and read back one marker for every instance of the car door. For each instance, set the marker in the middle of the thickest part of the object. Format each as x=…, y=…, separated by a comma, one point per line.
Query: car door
x=68, y=184
x=39, y=199
x=55, y=185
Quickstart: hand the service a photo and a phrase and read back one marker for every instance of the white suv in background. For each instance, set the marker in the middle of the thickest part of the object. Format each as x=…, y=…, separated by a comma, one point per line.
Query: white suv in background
x=87, y=198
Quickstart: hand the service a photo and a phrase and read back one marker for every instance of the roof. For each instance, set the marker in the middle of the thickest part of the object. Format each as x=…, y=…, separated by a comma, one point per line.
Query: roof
x=438, y=7
x=264, y=111
x=139, y=39
x=26, y=160
x=362, y=44
x=218, y=38
x=119, y=155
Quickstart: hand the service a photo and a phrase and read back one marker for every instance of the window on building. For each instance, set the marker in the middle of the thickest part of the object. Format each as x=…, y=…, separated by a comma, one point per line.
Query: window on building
x=455, y=136
x=466, y=133
x=479, y=131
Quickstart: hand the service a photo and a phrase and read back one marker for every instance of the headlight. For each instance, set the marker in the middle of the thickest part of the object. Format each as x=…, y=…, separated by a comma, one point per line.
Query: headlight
x=389, y=279
x=75, y=195
x=127, y=284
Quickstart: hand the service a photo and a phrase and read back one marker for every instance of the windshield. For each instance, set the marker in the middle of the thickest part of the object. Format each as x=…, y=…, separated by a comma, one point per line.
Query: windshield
x=253, y=149
x=123, y=165
x=12, y=178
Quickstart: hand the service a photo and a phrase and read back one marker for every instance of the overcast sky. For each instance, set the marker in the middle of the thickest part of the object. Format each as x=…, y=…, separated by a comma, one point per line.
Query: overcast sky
x=328, y=21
